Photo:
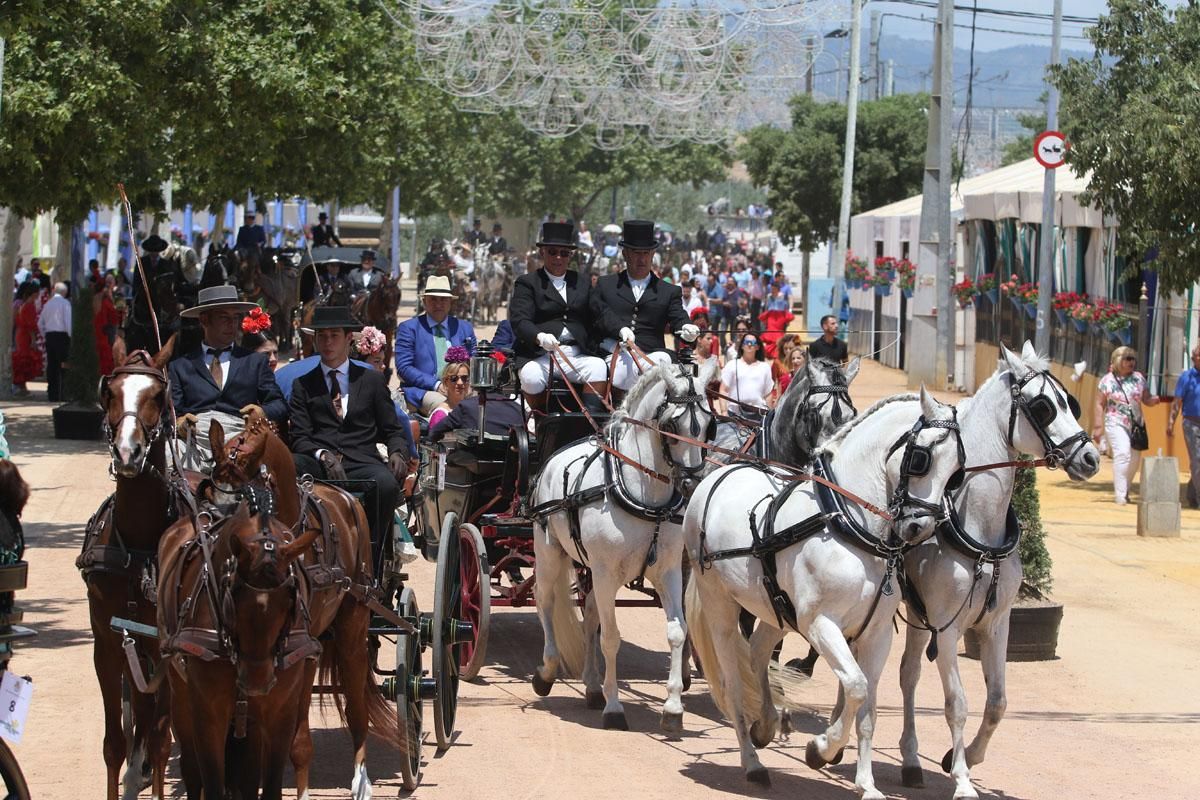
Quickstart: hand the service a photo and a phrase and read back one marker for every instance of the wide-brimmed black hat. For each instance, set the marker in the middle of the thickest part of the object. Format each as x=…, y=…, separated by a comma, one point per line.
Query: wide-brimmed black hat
x=557, y=234
x=638, y=234
x=325, y=317
x=214, y=297
x=154, y=243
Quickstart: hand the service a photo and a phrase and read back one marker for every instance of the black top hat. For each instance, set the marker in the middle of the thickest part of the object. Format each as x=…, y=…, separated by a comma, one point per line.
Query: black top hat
x=322, y=215
x=367, y=254
x=154, y=244
x=325, y=317
x=638, y=234
x=557, y=234
x=497, y=226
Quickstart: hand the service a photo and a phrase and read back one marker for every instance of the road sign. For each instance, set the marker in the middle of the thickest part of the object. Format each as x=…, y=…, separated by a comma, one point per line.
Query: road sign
x=1049, y=148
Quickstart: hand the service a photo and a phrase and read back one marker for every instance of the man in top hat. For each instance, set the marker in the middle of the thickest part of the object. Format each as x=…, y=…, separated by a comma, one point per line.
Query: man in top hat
x=366, y=278
x=251, y=235
x=497, y=245
x=476, y=234
x=219, y=379
x=422, y=342
x=167, y=284
x=636, y=306
x=322, y=232
x=339, y=412
x=550, y=310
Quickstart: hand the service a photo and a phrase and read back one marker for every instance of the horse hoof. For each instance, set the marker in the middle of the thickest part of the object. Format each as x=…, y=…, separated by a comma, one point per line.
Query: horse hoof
x=541, y=686
x=594, y=699
x=615, y=721
x=948, y=761
x=837, y=757
x=802, y=665
x=912, y=777
x=812, y=756
x=759, y=775
x=760, y=734
x=671, y=723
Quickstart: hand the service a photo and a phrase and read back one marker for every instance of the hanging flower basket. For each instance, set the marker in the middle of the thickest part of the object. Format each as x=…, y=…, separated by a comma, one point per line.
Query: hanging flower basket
x=1031, y=310
x=1099, y=331
x=1061, y=315
x=1017, y=303
x=993, y=296
x=884, y=290
x=907, y=293
x=1081, y=325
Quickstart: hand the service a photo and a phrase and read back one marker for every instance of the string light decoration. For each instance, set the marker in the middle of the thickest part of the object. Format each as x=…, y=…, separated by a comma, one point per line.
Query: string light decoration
x=668, y=72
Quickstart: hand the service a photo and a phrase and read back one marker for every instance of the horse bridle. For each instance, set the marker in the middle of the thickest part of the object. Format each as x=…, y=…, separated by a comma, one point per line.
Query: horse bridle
x=834, y=394
x=150, y=434
x=916, y=463
x=1040, y=412
x=693, y=402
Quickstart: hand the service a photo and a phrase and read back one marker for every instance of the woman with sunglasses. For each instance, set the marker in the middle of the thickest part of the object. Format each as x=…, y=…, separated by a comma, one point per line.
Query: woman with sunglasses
x=1119, y=399
x=747, y=379
x=456, y=382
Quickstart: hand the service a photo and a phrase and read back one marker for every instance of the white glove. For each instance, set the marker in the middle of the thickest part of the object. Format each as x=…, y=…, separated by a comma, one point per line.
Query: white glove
x=548, y=341
x=689, y=332
x=626, y=335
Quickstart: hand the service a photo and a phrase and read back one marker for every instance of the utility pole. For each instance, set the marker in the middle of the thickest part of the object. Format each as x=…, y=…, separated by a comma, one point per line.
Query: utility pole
x=811, y=45
x=933, y=309
x=889, y=79
x=843, y=240
x=873, y=57
x=806, y=256
x=1046, y=234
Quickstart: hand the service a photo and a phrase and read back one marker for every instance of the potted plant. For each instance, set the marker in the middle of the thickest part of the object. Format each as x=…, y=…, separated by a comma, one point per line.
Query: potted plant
x=886, y=264
x=987, y=287
x=1028, y=292
x=1120, y=329
x=81, y=416
x=907, y=273
x=1035, y=619
x=1062, y=302
x=1009, y=289
x=856, y=271
x=1081, y=314
x=966, y=292
x=882, y=281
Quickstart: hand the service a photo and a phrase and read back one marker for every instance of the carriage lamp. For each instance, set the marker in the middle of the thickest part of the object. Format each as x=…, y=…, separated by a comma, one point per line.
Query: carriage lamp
x=686, y=359
x=484, y=369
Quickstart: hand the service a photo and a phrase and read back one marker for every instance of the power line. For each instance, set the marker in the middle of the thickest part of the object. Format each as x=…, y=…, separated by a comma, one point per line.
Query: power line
x=1002, y=12
x=1038, y=34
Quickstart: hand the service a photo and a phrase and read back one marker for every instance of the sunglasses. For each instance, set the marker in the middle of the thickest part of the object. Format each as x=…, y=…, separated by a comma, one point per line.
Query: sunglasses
x=559, y=253
x=1130, y=358
x=460, y=379
x=749, y=343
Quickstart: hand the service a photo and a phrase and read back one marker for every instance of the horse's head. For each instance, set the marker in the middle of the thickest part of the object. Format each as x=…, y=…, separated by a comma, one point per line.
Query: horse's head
x=134, y=398
x=816, y=403
x=237, y=462
x=261, y=588
x=1043, y=416
x=920, y=466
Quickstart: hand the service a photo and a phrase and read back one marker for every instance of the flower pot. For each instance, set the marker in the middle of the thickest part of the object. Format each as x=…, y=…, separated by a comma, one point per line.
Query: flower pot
x=1017, y=303
x=76, y=421
x=1081, y=325
x=883, y=291
x=993, y=296
x=1032, y=633
x=1061, y=314
x=851, y=283
x=907, y=293
x=1123, y=336
x=1098, y=330
x=1031, y=310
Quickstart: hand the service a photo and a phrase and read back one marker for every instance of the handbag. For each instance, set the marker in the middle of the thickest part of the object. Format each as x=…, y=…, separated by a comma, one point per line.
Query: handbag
x=1139, y=439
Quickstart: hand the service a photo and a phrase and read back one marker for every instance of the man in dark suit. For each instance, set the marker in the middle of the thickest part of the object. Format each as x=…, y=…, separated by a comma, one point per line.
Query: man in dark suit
x=476, y=234
x=551, y=309
x=636, y=306
x=167, y=283
x=422, y=342
x=339, y=412
x=366, y=278
x=251, y=235
x=497, y=246
x=322, y=232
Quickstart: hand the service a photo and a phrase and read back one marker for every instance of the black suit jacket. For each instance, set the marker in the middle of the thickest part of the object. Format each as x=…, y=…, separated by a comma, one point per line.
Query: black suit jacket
x=248, y=379
x=498, y=246
x=537, y=307
x=323, y=236
x=659, y=310
x=370, y=417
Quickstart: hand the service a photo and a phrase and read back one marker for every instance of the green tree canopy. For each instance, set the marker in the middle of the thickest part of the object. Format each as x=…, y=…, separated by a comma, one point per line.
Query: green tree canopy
x=1130, y=114
x=803, y=166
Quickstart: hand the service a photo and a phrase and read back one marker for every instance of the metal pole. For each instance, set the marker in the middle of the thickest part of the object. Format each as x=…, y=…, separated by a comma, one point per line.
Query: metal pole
x=1046, y=234
x=394, y=255
x=873, y=56
x=808, y=73
x=843, y=240
x=889, y=80
x=945, y=284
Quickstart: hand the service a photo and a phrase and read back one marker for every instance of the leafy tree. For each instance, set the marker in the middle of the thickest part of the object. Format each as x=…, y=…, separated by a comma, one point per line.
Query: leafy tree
x=803, y=166
x=1130, y=115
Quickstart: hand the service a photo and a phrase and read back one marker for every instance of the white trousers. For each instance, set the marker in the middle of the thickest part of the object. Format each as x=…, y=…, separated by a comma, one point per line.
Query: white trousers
x=627, y=372
x=587, y=369
x=1125, y=459
x=199, y=458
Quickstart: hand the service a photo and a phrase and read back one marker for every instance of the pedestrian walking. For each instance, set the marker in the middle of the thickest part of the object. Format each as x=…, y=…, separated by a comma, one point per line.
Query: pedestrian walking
x=1119, y=399
x=1187, y=401
x=54, y=323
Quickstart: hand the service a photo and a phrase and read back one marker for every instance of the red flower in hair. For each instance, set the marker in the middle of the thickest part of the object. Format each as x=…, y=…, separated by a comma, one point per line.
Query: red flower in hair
x=256, y=321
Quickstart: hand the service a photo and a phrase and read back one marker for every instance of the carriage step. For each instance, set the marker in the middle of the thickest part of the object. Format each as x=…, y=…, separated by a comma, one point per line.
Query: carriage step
x=127, y=625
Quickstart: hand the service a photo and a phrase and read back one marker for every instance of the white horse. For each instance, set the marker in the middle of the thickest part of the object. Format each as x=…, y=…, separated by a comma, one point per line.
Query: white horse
x=489, y=282
x=621, y=523
x=833, y=568
x=967, y=576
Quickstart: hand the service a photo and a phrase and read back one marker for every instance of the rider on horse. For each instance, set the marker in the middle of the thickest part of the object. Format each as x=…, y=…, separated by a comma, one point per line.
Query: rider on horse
x=166, y=285
x=323, y=234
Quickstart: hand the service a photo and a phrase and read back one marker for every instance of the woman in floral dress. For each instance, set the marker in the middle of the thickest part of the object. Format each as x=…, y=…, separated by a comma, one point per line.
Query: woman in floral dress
x=1119, y=399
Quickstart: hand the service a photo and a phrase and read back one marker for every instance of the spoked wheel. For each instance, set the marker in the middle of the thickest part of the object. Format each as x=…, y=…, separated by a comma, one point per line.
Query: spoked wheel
x=475, y=601
x=448, y=630
x=409, y=713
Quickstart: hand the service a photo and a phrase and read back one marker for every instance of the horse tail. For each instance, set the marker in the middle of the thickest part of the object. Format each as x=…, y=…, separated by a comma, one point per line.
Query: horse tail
x=568, y=627
x=704, y=644
x=381, y=716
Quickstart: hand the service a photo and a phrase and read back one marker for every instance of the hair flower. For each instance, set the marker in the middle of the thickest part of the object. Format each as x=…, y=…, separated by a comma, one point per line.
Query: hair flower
x=370, y=340
x=256, y=321
x=457, y=355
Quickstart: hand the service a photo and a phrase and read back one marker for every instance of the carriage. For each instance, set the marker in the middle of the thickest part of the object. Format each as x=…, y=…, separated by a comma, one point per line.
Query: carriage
x=378, y=309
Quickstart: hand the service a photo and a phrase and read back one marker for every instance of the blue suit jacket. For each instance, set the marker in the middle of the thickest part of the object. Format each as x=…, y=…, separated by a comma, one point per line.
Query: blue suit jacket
x=416, y=354
x=248, y=380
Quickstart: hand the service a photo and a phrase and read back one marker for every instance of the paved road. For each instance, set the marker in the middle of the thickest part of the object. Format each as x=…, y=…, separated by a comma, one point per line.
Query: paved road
x=1116, y=716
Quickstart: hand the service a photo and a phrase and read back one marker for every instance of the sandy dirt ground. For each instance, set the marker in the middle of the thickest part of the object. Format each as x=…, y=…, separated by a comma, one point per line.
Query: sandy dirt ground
x=1115, y=716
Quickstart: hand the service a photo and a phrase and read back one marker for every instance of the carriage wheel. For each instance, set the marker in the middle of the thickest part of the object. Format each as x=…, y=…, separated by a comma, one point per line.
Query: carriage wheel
x=448, y=630
x=475, y=601
x=409, y=713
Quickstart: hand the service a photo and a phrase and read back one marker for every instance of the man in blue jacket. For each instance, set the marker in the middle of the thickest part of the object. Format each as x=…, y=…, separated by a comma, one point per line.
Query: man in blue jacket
x=422, y=342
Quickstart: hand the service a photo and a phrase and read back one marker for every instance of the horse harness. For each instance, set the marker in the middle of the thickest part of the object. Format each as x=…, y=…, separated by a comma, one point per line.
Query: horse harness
x=833, y=516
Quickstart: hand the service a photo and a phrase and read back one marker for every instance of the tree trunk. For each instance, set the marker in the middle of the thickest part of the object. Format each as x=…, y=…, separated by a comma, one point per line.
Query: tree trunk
x=385, y=230
x=9, y=247
x=61, y=271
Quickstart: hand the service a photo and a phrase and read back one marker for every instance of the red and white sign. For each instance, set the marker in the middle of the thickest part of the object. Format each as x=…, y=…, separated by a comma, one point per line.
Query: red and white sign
x=1050, y=148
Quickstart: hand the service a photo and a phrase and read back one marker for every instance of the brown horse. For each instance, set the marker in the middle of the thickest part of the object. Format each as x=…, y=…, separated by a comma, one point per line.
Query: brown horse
x=331, y=562
x=118, y=562
x=380, y=309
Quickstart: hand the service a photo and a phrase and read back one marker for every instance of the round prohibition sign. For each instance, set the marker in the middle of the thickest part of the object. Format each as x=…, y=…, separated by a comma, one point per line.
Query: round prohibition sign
x=1050, y=148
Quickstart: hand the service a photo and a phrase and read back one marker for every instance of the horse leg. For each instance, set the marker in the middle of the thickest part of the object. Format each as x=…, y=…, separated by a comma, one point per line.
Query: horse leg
x=956, y=716
x=826, y=636
x=593, y=691
x=302, y=746
x=993, y=652
x=604, y=588
x=549, y=563
x=350, y=631
x=915, y=639
x=669, y=586
x=212, y=712
x=762, y=644
x=152, y=733
x=184, y=726
x=110, y=672
x=279, y=729
x=872, y=652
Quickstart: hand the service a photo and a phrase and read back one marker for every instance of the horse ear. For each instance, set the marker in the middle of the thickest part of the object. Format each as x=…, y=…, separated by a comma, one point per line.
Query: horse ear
x=1029, y=353
x=1010, y=360
x=216, y=440
x=163, y=356
x=929, y=405
x=852, y=369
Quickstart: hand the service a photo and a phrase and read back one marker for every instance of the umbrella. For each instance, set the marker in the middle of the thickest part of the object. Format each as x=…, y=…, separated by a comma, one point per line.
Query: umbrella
x=612, y=228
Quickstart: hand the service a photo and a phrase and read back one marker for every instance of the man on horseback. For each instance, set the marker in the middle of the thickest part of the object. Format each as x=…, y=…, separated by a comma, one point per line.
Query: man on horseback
x=166, y=284
x=218, y=379
x=251, y=237
x=339, y=412
x=366, y=278
x=551, y=311
x=422, y=342
x=636, y=307
x=497, y=245
x=322, y=232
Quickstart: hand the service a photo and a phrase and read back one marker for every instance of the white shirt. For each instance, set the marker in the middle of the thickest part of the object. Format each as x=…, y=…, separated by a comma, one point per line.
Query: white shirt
x=749, y=383
x=559, y=282
x=692, y=303
x=366, y=276
x=639, y=287
x=56, y=316
x=225, y=357
x=465, y=264
x=343, y=378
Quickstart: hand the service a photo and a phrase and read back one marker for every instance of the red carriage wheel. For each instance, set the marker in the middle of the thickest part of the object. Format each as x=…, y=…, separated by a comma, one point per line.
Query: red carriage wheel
x=475, y=604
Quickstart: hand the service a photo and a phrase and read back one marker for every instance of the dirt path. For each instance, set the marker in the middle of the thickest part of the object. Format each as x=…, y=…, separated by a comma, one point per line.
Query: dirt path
x=1116, y=716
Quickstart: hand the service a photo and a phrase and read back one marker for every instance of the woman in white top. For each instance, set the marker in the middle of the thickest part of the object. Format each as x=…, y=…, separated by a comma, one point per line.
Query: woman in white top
x=748, y=380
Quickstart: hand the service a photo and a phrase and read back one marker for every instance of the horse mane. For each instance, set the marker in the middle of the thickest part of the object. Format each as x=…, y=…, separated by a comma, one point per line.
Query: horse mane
x=831, y=447
x=649, y=380
x=1037, y=364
